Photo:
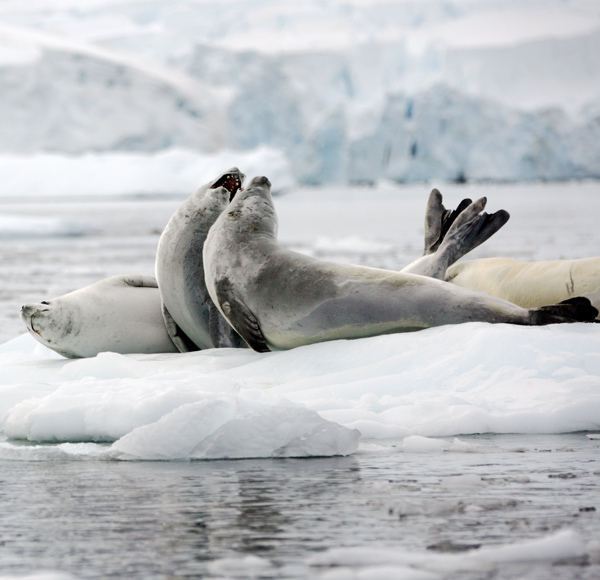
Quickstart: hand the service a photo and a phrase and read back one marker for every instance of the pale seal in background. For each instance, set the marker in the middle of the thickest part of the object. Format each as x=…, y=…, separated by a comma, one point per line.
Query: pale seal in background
x=119, y=314
x=191, y=318
x=530, y=284
x=280, y=299
x=450, y=234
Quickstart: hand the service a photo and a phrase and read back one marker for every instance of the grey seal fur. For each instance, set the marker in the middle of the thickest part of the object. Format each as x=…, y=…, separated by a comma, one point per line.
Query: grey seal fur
x=279, y=299
x=119, y=314
x=191, y=318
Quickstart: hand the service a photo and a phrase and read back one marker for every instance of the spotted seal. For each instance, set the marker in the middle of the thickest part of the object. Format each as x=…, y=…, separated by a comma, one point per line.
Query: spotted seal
x=279, y=299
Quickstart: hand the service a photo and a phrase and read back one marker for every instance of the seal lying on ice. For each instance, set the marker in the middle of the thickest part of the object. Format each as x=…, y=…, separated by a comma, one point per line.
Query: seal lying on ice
x=279, y=299
x=119, y=314
x=530, y=284
x=527, y=284
x=191, y=318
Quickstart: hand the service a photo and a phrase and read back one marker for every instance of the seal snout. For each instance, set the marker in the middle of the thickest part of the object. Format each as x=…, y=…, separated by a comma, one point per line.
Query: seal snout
x=261, y=181
x=28, y=311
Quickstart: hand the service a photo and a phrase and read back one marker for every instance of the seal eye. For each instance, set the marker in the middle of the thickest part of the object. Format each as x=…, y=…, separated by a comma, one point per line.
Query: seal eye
x=44, y=302
x=230, y=182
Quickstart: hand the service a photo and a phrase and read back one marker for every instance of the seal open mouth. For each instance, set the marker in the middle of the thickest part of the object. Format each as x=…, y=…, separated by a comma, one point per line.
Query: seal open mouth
x=231, y=182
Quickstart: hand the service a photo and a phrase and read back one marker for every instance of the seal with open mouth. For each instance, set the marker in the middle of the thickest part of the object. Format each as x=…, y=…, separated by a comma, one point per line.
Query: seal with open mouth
x=191, y=318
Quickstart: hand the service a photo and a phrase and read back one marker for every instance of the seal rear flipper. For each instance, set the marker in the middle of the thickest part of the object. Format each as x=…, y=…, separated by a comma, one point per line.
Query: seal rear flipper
x=438, y=220
x=470, y=229
x=577, y=309
x=179, y=338
x=467, y=227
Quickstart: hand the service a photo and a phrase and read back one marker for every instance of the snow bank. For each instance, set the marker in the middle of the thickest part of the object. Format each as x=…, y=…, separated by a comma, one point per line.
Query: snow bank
x=314, y=400
x=171, y=172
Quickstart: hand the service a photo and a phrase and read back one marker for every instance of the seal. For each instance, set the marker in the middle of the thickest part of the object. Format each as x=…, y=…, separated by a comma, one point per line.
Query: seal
x=119, y=314
x=279, y=299
x=450, y=234
x=530, y=284
x=192, y=320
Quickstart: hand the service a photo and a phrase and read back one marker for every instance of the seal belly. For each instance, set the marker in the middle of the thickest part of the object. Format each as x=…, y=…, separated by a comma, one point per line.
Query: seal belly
x=325, y=301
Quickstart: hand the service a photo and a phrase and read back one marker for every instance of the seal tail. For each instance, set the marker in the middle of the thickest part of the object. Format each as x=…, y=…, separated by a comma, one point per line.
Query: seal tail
x=577, y=309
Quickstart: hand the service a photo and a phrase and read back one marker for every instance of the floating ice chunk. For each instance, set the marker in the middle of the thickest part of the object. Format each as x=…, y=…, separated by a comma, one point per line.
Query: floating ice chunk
x=278, y=432
x=380, y=573
x=62, y=452
x=435, y=383
x=558, y=546
x=105, y=410
x=176, y=434
x=247, y=567
x=418, y=444
x=360, y=560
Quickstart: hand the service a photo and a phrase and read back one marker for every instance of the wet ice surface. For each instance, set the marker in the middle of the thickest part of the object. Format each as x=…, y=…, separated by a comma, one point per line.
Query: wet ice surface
x=426, y=512
x=392, y=500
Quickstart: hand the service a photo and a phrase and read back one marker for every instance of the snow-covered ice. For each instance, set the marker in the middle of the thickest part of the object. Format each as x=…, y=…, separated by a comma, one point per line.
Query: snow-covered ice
x=439, y=382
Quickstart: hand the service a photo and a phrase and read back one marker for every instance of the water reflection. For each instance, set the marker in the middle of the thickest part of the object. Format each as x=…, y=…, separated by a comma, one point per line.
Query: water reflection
x=169, y=520
x=262, y=507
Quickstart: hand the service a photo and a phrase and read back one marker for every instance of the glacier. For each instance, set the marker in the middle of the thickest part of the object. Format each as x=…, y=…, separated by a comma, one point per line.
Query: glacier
x=347, y=92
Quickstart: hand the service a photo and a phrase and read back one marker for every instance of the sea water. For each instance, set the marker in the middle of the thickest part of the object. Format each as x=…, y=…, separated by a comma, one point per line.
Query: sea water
x=461, y=469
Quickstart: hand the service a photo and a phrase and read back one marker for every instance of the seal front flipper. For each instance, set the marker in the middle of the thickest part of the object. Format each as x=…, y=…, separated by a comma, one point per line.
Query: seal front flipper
x=221, y=332
x=139, y=281
x=240, y=317
x=179, y=338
